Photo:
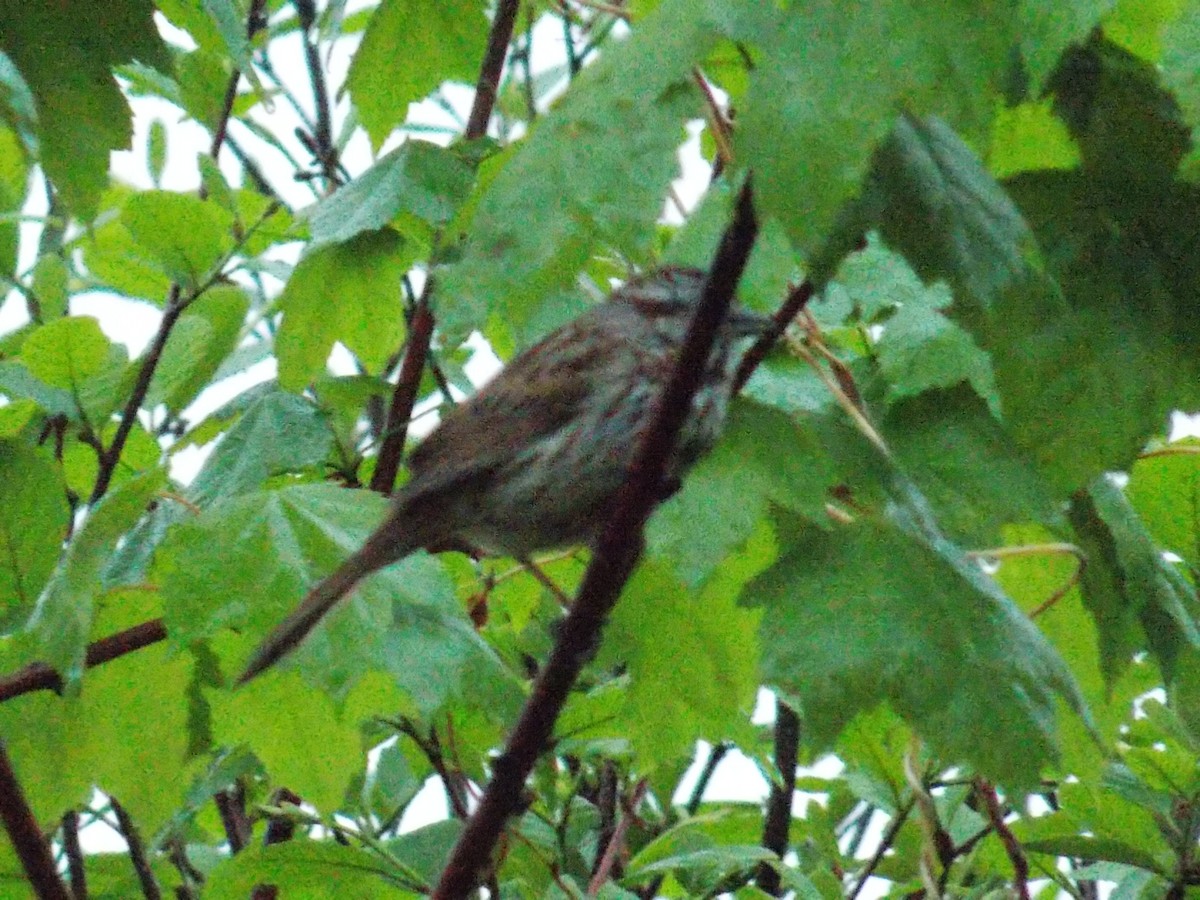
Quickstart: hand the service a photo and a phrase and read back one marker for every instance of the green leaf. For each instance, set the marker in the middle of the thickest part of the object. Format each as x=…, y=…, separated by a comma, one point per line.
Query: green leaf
x=1033, y=578
x=66, y=352
x=418, y=179
x=183, y=235
x=50, y=285
x=1083, y=387
x=113, y=257
x=705, y=684
x=409, y=48
x=705, y=870
x=316, y=870
x=203, y=77
x=347, y=292
x=1085, y=847
x=63, y=619
x=279, y=433
x=1164, y=488
x=1128, y=128
x=15, y=416
x=726, y=497
x=933, y=201
x=810, y=120
x=872, y=612
x=965, y=464
x=592, y=173
x=200, y=341
x=156, y=151
x=65, y=51
x=12, y=197
x=1127, y=583
x=1048, y=27
x=33, y=521
x=1028, y=137
x=921, y=349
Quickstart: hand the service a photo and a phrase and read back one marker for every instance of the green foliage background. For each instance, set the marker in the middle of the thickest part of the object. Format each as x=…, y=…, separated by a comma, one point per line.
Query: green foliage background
x=964, y=552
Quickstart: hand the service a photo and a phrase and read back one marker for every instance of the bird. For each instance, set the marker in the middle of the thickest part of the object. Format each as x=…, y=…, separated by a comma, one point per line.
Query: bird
x=534, y=459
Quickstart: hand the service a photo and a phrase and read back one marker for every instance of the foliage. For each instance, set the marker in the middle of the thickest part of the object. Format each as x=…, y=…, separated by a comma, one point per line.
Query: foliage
x=947, y=525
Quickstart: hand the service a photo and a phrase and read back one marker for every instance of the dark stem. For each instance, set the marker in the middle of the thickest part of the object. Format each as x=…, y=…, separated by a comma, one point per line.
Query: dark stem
x=41, y=677
x=323, y=148
x=609, y=864
x=885, y=844
x=615, y=554
x=111, y=456
x=715, y=756
x=231, y=806
x=254, y=21
x=74, y=853
x=452, y=781
x=797, y=298
x=395, y=426
x=281, y=829
x=421, y=327
x=488, y=86
x=1012, y=846
x=779, y=802
x=31, y=846
x=137, y=852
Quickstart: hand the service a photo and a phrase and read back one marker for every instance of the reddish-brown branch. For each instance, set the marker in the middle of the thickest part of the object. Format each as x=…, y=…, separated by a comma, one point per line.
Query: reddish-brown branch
x=779, y=803
x=1012, y=847
x=796, y=300
x=111, y=456
x=421, y=328
x=31, y=846
x=76, y=873
x=488, y=85
x=41, y=677
x=615, y=555
x=137, y=852
x=395, y=428
x=254, y=21
x=231, y=807
x=612, y=850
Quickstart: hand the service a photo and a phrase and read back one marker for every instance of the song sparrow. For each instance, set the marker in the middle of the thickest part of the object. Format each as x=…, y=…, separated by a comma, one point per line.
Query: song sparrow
x=533, y=461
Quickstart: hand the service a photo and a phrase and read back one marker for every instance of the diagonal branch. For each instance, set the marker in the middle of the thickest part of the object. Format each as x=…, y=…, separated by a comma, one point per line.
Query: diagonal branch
x=31, y=846
x=612, y=563
x=39, y=676
x=779, y=802
x=421, y=330
x=488, y=86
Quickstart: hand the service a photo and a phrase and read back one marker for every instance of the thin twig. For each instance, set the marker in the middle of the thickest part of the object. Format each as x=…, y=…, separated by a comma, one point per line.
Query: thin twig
x=322, y=137
x=39, y=676
x=231, y=806
x=487, y=87
x=254, y=21
x=404, y=397
x=31, y=846
x=885, y=844
x=137, y=852
x=615, y=554
x=715, y=755
x=1012, y=847
x=611, y=851
x=431, y=747
x=74, y=853
x=797, y=298
x=111, y=456
x=778, y=820
x=1056, y=549
x=280, y=829
x=420, y=332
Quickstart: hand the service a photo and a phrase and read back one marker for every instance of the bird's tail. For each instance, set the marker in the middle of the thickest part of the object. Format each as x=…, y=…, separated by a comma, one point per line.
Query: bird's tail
x=380, y=549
